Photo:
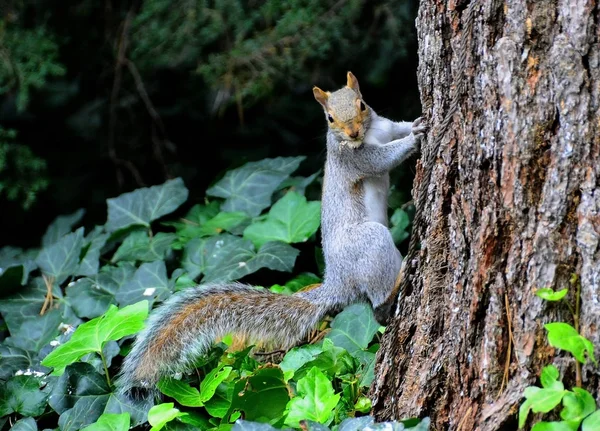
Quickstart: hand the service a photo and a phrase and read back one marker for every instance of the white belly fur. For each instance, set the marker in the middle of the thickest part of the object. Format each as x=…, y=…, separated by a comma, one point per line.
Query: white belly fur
x=376, y=188
x=375, y=198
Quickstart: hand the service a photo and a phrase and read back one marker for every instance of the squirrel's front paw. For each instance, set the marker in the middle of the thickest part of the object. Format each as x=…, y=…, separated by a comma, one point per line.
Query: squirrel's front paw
x=419, y=128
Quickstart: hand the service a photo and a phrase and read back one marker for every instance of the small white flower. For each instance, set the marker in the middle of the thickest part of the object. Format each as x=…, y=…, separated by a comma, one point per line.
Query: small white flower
x=54, y=343
x=241, y=264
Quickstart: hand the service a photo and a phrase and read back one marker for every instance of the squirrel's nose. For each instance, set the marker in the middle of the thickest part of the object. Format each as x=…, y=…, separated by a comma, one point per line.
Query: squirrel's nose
x=353, y=134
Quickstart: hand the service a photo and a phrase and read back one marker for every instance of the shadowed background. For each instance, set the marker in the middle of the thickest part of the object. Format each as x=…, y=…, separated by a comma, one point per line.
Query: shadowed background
x=98, y=98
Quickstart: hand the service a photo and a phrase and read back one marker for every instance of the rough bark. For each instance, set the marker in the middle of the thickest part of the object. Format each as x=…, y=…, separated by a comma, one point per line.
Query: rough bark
x=511, y=92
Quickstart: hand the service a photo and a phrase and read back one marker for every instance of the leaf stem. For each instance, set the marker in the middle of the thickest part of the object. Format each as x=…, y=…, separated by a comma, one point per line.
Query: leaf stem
x=105, y=369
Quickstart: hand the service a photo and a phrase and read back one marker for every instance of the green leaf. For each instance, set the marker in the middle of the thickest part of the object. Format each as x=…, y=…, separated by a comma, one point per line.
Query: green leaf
x=160, y=414
x=363, y=404
x=400, y=222
x=544, y=400
x=12, y=277
x=22, y=395
x=250, y=187
x=550, y=295
x=13, y=359
x=242, y=425
x=564, y=336
x=332, y=361
x=297, y=357
x=262, y=396
x=61, y=259
x=88, y=298
x=80, y=383
x=219, y=404
x=25, y=424
x=296, y=283
x=576, y=406
x=315, y=400
x=93, y=244
x=221, y=222
x=549, y=378
x=212, y=380
x=91, y=336
x=182, y=392
x=592, y=422
x=291, y=219
x=142, y=206
x=61, y=226
x=552, y=426
x=353, y=328
x=110, y=422
x=138, y=246
x=367, y=372
x=227, y=257
x=149, y=283
x=21, y=312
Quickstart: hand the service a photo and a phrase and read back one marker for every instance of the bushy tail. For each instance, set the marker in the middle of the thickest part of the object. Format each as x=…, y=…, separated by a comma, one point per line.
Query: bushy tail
x=187, y=324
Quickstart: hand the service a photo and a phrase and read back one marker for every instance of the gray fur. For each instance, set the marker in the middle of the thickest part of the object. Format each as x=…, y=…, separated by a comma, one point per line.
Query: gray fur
x=361, y=261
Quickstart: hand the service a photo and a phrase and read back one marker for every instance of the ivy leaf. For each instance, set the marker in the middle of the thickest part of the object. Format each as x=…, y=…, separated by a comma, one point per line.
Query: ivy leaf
x=550, y=295
x=159, y=415
x=221, y=222
x=88, y=298
x=61, y=226
x=212, y=380
x=297, y=283
x=139, y=246
x=242, y=425
x=592, y=422
x=297, y=357
x=549, y=378
x=13, y=359
x=22, y=395
x=576, y=406
x=273, y=255
x=21, y=312
x=551, y=426
x=12, y=277
x=315, y=400
x=250, y=187
x=228, y=257
x=145, y=205
x=80, y=383
x=61, y=259
x=400, y=222
x=149, y=283
x=91, y=336
x=110, y=422
x=14, y=256
x=181, y=392
x=263, y=395
x=25, y=424
x=93, y=244
x=565, y=337
x=291, y=219
x=353, y=328
x=539, y=400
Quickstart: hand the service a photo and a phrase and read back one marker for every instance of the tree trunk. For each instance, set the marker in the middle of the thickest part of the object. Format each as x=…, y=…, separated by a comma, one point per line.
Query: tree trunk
x=511, y=92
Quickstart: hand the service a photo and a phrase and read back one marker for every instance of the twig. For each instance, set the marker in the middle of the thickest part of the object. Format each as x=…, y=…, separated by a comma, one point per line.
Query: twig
x=49, y=299
x=509, y=349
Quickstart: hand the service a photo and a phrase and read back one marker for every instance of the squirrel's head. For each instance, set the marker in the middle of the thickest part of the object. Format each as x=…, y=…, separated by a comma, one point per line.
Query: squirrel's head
x=347, y=114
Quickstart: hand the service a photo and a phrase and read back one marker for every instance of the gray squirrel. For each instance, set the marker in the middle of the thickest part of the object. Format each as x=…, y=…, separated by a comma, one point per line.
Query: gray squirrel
x=362, y=263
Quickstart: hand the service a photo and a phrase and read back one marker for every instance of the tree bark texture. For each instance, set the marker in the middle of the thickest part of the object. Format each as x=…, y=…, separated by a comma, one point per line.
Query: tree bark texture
x=511, y=93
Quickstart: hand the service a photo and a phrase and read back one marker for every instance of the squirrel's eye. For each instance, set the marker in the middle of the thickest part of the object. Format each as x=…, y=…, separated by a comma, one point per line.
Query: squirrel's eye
x=330, y=118
x=362, y=106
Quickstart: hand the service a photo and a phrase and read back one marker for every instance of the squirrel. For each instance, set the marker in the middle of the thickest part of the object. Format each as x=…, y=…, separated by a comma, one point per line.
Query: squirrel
x=362, y=263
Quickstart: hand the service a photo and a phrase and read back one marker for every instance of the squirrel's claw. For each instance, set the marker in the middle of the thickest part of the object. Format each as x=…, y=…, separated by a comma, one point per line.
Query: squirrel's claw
x=418, y=128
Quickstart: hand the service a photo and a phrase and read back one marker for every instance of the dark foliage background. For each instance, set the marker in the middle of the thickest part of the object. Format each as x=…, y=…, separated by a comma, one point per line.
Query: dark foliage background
x=100, y=97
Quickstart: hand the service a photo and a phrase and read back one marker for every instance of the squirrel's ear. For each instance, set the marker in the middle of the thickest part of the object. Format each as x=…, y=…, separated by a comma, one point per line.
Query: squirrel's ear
x=321, y=96
x=352, y=82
